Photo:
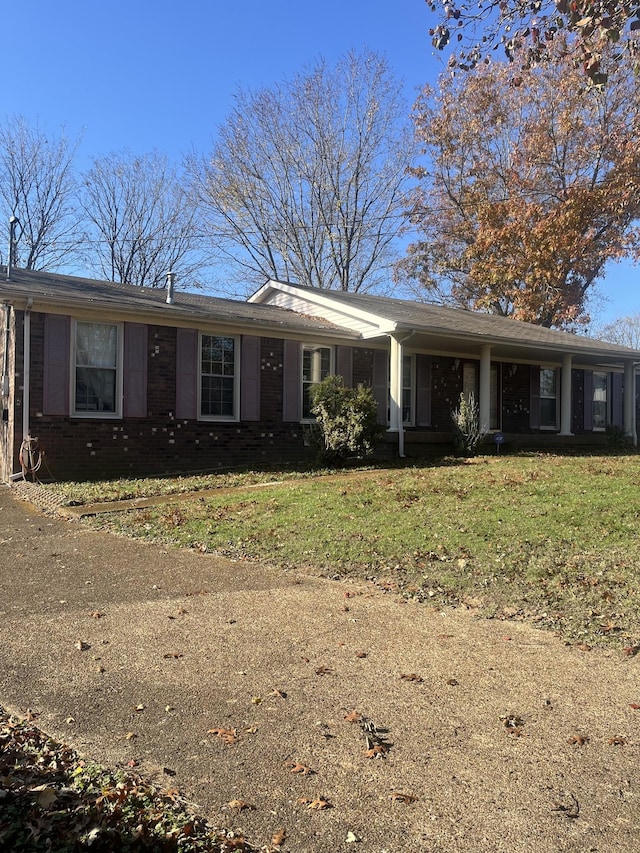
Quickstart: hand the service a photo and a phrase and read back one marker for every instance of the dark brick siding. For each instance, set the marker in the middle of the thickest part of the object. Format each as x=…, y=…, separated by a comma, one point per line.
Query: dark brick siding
x=84, y=448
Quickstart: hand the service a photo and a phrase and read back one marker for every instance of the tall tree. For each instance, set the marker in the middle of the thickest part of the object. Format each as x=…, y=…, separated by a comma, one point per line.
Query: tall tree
x=38, y=186
x=624, y=331
x=306, y=180
x=140, y=222
x=531, y=186
x=524, y=31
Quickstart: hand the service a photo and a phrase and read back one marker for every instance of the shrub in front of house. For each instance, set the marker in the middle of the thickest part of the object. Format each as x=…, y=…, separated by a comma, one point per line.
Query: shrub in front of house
x=467, y=433
x=346, y=420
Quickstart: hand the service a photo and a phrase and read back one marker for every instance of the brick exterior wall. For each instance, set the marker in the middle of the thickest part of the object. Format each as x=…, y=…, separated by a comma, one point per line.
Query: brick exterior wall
x=87, y=448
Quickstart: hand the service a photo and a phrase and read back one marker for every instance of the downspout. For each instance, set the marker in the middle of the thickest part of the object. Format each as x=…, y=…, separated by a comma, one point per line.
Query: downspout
x=26, y=376
x=4, y=389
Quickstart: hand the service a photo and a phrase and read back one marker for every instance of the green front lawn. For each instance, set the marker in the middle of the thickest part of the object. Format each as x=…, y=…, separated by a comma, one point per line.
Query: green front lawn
x=549, y=538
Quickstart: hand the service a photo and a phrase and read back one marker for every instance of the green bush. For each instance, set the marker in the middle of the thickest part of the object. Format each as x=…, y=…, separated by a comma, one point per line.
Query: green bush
x=346, y=420
x=616, y=438
x=468, y=435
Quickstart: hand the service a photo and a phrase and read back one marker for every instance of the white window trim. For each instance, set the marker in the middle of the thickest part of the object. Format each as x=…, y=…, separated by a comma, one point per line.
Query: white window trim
x=235, y=417
x=117, y=415
x=549, y=427
x=412, y=387
x=607, y=415
x=332, y=370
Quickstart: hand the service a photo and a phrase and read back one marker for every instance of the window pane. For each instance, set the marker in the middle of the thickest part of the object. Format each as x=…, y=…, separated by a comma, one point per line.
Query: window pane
x=316, y=366
x=547, y=383
x=407, y=389
x=96, y=355
x=96, y=345
x=599, y=400
x=217, y=367
x=548, y=412
x=95, y=390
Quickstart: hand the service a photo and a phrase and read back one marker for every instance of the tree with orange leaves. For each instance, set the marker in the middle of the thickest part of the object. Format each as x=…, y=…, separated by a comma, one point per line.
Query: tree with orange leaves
x=531, y=186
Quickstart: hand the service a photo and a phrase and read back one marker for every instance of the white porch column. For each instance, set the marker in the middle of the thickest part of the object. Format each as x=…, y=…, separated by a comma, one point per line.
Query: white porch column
x=395, y=392
x=395, y=386
x=485, y=387
x=630, y=400
x=565, y=396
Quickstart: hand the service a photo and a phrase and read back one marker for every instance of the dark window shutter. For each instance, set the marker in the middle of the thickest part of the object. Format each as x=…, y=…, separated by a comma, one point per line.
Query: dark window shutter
x=617, y=416
x=534, y=397
x=423, y=386
x=134, y=380
x=292, y=382
x=344, y=365
x=57, y=348
x=380, y=383
x=250, y=378
x=187, y=373
x=588, y=399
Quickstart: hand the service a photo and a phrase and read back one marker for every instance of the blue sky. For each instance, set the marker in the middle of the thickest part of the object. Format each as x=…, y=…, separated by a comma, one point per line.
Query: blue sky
x=142, y=75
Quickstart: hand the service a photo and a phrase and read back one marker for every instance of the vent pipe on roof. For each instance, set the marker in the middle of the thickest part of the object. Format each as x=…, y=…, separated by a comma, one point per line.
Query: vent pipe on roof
x=171, y=277
x=13, y=220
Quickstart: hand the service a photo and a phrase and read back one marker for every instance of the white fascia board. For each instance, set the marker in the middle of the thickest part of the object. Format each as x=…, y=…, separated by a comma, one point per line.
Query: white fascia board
x=378, y=325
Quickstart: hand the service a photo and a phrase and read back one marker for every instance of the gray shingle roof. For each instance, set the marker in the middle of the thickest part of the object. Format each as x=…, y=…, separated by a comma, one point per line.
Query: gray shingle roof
x=150, y=303
x=438, y=319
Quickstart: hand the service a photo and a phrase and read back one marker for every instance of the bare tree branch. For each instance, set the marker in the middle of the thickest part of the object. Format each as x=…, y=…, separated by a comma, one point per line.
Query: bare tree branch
x=307, y=180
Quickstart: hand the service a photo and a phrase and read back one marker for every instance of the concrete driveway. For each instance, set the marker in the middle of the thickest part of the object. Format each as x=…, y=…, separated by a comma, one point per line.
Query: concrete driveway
x=134, y=652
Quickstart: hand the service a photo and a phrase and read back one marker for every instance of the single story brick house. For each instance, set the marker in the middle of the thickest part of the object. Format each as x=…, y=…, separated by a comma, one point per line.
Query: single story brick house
x=116, y=380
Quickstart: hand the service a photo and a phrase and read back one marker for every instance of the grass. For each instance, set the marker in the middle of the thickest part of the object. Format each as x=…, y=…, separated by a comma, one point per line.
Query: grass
x=549, y=538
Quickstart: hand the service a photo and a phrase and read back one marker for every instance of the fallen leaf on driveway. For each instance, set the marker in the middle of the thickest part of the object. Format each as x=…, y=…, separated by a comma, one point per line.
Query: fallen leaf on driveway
x=130, y=736
x=174, y=655
x=240, y=805
x=323, y=670
x=361, y=654
x=227, y=735
x=317, y=805
x=97, y=614
x=578, y=740
x=411, y=676
x=81, y=646
x=399, y=797
x=297, y=767
x=279, y=837
x=617, y=741
x=353, y=717
x=280, y=693
x=635, y=706
x=377, y=751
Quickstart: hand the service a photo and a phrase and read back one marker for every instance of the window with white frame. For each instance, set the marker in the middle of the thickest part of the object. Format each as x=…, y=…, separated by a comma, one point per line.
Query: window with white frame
x=408, y=390
x=317, y=364
x=219, y=374
x=97, y=379
x=548, y=398
x=600, y=407
x=408, y=385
